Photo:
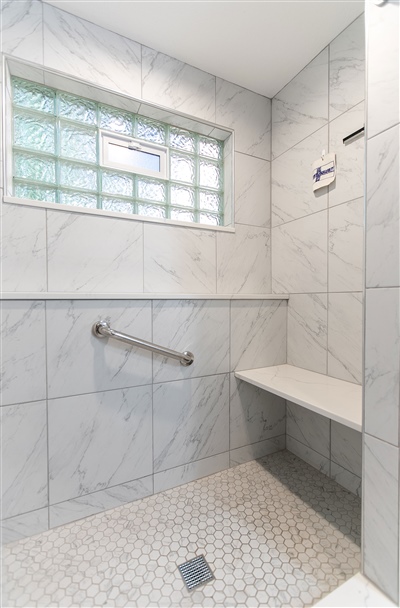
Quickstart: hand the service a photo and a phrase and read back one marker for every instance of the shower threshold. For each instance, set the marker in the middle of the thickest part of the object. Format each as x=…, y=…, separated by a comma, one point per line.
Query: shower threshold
x=274, y=531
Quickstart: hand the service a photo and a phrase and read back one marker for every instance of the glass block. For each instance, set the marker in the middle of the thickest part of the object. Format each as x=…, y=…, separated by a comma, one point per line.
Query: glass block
x=210, y=147
x=151, y=210
x=115, y=204
x=182, y=140
x=184, y=215
x=117, y=183
x=151, y=190
x=210, y=219
x=150, y=130
x=78, y=199
x=35, y=168
x=182, y=168
x=36, y=193
x=210, y=201
x=116, y=120
x=78, y=142
x=34, y=132
x=183, y=196
x=32, y=95
x=76, y=108
x=210, y=174
x=78, y=176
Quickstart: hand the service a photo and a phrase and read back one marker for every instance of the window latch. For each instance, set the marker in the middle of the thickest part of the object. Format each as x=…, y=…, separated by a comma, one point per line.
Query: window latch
x=133, y=146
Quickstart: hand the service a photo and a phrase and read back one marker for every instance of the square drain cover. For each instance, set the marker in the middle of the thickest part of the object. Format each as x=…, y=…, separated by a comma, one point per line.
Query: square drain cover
x=195, y=572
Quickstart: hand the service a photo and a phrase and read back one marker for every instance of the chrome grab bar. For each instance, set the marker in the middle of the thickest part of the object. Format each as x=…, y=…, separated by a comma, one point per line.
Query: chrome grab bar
x=102, y=329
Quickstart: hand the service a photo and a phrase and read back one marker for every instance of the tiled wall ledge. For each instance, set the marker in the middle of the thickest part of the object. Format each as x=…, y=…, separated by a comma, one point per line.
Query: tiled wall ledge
x=69, y=295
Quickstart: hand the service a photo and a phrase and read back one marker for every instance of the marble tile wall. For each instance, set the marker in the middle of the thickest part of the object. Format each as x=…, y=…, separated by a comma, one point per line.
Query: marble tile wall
x=381, y=509
x=88, y=423
x=328, y=446
x=140, y=257
x=317, y=239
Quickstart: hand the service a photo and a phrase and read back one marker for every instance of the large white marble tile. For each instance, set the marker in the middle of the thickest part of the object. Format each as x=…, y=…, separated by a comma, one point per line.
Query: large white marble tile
x=257, y=450
x=191, y=471
x=347, y=480
x=244, y=260
x=179, y=260
x=94, y=254
x=383, y=78
x=98, y=440
x=191, y=420
x=249, y=114
x=23, y=458
x=177, y=85
x=357, y=591
x=382, y=355
x=301, y=107
x=299, y=260
x=347, y=69
x=346, y=447
x=23, y=248
x=345, y=311
x=350, y=178
x=255, y=415
x=346, y=246
x=307, y=454
x=307, y=339
x=23, y=374
x=22, y=29
x=311, y=429
x=381, y=515
x=383, y=196
x=90, y=504
x=252, y=191
x=258, y=333
x=22, y=526
x=292, y=195
x=78, y=362
x=85, y=50
x=198, y=326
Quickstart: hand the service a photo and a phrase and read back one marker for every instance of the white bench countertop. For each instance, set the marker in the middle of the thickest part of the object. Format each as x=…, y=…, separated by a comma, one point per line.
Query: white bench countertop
x=336, y=399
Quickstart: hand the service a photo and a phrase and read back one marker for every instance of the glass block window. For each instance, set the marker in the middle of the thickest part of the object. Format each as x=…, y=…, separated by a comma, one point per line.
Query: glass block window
x=57, y=159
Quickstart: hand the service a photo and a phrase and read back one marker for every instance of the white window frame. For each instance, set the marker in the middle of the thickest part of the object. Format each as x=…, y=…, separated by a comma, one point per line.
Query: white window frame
x=130, y=143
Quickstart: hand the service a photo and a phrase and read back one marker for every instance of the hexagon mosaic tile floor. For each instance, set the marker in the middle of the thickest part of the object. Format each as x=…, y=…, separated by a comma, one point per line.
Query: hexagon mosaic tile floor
x=275, y=532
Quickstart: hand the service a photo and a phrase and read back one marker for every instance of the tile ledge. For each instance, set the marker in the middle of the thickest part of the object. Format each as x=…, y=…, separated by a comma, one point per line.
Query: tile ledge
x=46, y=295
x=357, y=591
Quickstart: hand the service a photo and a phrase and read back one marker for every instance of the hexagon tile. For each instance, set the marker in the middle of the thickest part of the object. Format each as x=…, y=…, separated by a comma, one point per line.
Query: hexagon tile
x=275, y=532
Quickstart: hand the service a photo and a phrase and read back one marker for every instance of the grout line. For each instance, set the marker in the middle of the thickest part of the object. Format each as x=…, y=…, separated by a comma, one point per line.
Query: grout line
x=6, y=519
x=302, y=217
x=47, y=413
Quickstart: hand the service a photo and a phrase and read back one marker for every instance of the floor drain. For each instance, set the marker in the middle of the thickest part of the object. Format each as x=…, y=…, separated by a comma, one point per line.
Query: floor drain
x=195, y=572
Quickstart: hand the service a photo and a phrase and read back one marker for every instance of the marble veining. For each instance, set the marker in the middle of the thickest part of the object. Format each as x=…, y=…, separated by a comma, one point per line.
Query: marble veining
x=346, y=447
x=345, y=336
x=307, y=339
x=80, y=48
x=258, y=334
x=22, y=30
x=249, y=273
x=79, y=429
x=23, y=370
x=179, y=260
x=313, y=458
x=301, y=107
x=311, y=429
x=78, y=259
x=346, y=238
x=252, y=191
x=191, y=420
x=23, y=249
x=201, y=327
x=249, y=114
x=292, y=195
x=172, y=478
x=260, y=449
x=299, y=261
x=347, y=69
x=177, y=85
x=383, y=224
x=346, y=479
x=382, y=355
x=24, y=458
x=79, y=362
x=22, y=526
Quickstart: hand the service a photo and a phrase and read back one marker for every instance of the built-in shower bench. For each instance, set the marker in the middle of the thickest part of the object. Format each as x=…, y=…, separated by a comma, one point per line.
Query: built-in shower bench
x=336, y=399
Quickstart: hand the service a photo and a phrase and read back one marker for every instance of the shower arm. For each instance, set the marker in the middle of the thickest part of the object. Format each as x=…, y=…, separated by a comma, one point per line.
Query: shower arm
x=102, y=329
